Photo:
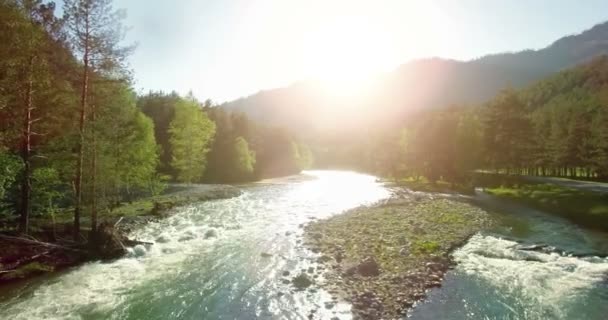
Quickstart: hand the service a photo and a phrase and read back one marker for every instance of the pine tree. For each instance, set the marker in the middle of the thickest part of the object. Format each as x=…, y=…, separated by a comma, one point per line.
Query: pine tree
x=95, y=31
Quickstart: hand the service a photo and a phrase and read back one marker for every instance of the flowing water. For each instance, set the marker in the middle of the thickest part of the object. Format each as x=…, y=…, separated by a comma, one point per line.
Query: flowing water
x=225, y=259
x=531, y=266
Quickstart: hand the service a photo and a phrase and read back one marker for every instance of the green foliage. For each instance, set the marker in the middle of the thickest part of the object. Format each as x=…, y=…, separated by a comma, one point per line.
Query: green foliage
x=160, y=108
x=425, y=247
x=157, y=183
x=442, y=145
x=507, y=131
x=10, y=167
x=302, y=155
x=244, y=158
x=126, y=150
x=556, y=127
x=47, y=190
x=191, y=134
x=277, y=153
x=232, y=157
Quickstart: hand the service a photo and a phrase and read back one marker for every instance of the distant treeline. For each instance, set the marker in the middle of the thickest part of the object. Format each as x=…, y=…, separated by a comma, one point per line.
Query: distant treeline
x=556, y=127
x=73, y=134
x=235, y=148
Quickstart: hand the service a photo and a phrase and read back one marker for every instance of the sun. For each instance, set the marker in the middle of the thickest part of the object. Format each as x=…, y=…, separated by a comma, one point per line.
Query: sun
x=345, y=52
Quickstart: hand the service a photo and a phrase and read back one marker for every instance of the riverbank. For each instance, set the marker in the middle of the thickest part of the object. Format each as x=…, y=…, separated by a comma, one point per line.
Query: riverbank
x=423, y=185
x=582, y=202
x=49, y=248
x=383, y=258
x=587, y=208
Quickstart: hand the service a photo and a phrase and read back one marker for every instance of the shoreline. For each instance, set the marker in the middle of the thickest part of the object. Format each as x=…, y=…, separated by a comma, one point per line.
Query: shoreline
x=24, y=258
x=384, y=257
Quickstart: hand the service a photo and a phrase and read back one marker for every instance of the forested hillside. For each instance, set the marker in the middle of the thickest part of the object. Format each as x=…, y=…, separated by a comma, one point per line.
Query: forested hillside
x=422, y=84
x=557, y=126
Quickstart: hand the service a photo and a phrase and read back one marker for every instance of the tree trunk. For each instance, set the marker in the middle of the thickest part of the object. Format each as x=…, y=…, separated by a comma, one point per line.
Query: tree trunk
x=83, y=104
x=26, y=183
x=94, y=174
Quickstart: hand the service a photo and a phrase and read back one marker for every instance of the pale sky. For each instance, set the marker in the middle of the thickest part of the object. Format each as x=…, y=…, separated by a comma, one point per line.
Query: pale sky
x=225, y=49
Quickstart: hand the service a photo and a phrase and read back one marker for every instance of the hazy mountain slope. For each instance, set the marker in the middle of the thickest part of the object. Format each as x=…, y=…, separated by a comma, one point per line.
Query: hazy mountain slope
x=426, y=83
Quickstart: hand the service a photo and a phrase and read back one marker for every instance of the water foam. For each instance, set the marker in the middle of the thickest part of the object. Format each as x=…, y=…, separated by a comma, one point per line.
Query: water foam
x=195, y=253
x=543, y=284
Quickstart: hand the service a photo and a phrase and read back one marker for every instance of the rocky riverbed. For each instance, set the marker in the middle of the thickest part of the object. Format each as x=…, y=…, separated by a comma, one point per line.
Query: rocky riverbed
x=383, y=258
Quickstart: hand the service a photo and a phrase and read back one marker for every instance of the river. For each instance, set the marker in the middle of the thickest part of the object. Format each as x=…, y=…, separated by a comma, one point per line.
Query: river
x=225, y=259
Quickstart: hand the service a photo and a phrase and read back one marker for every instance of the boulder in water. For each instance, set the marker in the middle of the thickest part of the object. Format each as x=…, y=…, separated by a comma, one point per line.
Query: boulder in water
x=211, y=233
x=187, y=236
x=163, y=238
x=139, y=250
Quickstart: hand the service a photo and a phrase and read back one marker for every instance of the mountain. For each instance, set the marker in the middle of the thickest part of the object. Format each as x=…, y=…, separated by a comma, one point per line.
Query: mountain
x=427, y=83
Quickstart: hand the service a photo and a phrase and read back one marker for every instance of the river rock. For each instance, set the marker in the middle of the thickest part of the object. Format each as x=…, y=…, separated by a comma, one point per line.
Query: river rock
x=139, y=250
x=368, y=267
x=323, y=259
x=339, y=256
x=211, y=233
x=186, y=237
x=301, y=282
x=435, y=266
x=163, y=238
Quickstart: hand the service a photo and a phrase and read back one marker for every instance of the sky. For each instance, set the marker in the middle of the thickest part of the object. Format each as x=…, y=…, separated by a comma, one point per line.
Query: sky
x=226, y=49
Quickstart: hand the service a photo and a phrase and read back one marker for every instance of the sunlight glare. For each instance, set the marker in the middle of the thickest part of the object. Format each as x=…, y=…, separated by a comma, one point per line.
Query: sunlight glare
x=346, y=52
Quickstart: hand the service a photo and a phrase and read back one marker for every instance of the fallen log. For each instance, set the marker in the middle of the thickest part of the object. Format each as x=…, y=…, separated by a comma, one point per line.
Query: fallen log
x=131, y=243
x=14, y=265
x=39, y=243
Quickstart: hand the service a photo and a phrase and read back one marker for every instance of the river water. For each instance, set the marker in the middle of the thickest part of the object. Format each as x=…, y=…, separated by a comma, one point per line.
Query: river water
x=225, y=259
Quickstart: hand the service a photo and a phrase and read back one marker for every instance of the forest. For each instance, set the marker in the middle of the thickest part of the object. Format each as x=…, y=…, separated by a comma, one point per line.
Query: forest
x=75, y=136
x=555, y=127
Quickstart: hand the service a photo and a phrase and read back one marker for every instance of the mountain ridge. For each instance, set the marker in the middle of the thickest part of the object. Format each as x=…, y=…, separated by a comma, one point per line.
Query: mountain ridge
x=424, y=83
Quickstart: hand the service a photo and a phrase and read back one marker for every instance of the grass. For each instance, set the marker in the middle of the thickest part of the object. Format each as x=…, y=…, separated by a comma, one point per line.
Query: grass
x=424, y=185
x=425, y=247
x=584, y=207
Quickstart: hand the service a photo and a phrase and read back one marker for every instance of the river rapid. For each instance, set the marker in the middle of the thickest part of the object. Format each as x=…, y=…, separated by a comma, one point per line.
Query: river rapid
x=226, y=259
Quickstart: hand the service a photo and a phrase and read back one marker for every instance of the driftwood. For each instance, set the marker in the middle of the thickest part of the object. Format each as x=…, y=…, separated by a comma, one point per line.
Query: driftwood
x=118, y=222
x=39, y=243
x=131, y=243
x=13, y=266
